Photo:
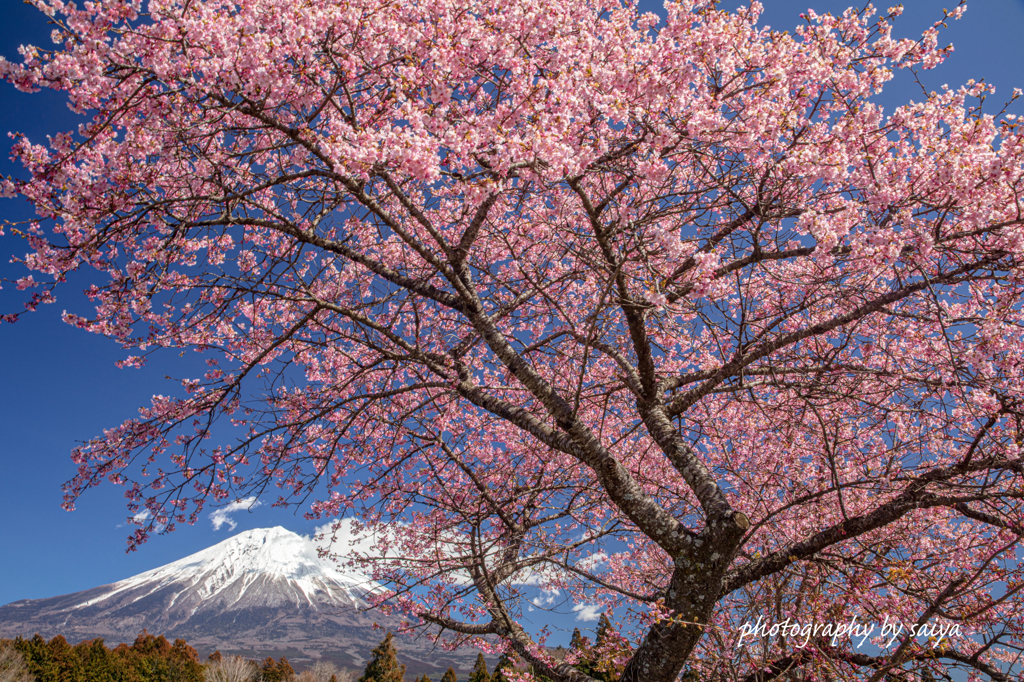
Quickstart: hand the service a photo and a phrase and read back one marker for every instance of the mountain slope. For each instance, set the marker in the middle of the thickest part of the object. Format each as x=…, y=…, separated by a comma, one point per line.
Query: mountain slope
x=263, y=567
x=262, y=592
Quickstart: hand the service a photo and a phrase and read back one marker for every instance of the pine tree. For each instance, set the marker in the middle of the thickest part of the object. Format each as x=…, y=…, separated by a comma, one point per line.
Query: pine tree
x=480, y=673
x=578, y=642
x=275, y=671
x=153, y=659
x=64, y=659
x=425, y=678
x=449, y=676
x=593, y=660
x=97, y=662
x=503, y=665
x=383, y=665
x=286, y=669
x=37, y=657
x=604, y=627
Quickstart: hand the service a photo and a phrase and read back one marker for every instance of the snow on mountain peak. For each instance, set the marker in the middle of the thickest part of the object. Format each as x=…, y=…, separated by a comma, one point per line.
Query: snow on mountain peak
x=268, y=565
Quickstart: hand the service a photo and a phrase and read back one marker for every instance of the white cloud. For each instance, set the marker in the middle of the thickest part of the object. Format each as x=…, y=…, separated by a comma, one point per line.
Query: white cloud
x=218, y=517
x=586, y=613
x=547, y=597
x=593, y=562
x=140, y=519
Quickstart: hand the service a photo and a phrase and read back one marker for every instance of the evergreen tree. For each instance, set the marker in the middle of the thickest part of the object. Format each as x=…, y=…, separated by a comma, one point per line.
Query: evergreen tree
x=276, y=671
x=149, y=645
x=125, y=660
x=285, y=669
x=480, y=673
x=604, y=626
x=64, y=660
x=181, y=651
x=504, y=664
x=449, y=676
x=592, y=660
x=383, y=665
x=153, y=659
x=37, y=657
x=149, y=659
x=425, y=678
x=97, y=663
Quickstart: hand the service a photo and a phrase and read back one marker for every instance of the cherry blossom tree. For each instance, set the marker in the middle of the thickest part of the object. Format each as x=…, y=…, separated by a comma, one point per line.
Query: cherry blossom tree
x=671, y=317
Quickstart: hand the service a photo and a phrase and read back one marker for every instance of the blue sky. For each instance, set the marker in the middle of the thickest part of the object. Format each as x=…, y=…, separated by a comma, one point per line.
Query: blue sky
x=60, y=386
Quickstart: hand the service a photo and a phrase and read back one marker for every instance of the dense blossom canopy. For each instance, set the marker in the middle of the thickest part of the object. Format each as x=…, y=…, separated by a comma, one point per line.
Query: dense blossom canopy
x=671, y=317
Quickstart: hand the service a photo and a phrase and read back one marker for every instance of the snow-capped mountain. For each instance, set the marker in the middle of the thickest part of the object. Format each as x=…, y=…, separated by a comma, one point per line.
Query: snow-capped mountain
x=262, y=567
x=260, y=593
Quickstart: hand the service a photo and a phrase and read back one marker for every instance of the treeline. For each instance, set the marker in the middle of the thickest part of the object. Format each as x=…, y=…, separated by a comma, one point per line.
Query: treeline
x=154, y=659
x=384, y=667
x=602, y=660
x=149, y=659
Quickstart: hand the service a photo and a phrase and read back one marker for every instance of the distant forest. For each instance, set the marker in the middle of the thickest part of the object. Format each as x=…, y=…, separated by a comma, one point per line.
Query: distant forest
x=152, y=658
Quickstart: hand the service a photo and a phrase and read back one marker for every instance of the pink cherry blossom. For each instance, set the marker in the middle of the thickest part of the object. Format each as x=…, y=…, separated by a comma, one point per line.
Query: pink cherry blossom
x=675, y=320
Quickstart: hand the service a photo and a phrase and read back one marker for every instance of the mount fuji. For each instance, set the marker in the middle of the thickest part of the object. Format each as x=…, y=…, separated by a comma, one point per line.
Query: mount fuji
x=261, y=593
